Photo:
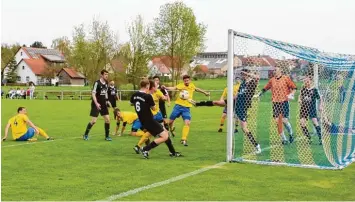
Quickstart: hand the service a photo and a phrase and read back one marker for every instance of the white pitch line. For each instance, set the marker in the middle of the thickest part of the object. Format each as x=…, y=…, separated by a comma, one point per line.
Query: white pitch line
x=158, y=184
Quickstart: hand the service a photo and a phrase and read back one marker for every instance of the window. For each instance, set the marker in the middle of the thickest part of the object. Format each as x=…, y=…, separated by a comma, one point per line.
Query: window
x=27, y=78
x=18, y=78
x=23, y=67
x=21, y=53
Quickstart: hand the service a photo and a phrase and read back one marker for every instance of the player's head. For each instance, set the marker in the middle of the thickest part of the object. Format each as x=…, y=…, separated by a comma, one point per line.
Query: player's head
x=152, y=86
x=186, y=79
x=116, y=113
x=104, y=74
x=112, y=83
x=307, y=81
x=278, y=72
x=21, y=110
x=243, y=73
x=156, y=78
x=144, y=84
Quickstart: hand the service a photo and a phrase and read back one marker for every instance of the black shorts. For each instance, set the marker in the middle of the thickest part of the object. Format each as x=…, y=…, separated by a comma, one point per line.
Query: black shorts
x=282, y=108
x=163, y=109
x=153, y=127
x=95, y=112
x=113, y=103
x=307, y=111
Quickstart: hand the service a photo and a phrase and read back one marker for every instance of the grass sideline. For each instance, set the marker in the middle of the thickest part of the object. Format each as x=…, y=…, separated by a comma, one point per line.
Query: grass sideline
x=69, y=168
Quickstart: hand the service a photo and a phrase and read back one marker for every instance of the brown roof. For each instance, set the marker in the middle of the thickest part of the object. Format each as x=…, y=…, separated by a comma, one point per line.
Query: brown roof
x=38, y=66
x=166, y=60
x=72, y=73
x=37, y=52
x=201, y=68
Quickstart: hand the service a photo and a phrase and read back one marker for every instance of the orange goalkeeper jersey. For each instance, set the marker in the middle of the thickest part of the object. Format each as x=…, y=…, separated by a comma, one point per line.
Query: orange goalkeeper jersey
x=280, y=88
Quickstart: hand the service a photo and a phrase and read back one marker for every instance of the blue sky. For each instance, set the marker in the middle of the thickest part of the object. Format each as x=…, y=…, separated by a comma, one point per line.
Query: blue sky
x=328, y=25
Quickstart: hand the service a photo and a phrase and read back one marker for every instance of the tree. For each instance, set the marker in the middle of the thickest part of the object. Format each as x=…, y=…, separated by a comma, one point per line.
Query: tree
x=92, y=51
x=177, y=34
x=135, y=53
x=63, y=45
x=37, y=44
x=51, y=71
x=11, y=72
x=7, y=53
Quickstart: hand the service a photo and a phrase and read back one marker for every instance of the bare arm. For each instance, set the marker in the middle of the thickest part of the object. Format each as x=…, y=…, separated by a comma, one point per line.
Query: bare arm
x=123, y=127
x=202, y=91
x=32, y=125
x=170, y=88
x=6, y=131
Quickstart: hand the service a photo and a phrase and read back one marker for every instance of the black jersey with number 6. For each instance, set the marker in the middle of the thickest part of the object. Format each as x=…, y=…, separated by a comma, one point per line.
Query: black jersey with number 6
x=142, y=103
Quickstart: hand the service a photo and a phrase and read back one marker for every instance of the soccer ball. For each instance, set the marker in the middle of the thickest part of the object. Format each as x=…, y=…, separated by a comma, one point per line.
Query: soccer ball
x=184, y=95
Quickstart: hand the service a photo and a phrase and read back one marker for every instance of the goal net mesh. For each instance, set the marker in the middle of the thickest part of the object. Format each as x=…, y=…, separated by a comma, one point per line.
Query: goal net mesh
x=315, y=127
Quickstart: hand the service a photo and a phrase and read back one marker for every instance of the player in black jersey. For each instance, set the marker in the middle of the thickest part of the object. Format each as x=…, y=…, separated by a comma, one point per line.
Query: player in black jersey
x=112, y=95
x=308, y=101
x=143, y=104
x=162, y=102
x=99, y=105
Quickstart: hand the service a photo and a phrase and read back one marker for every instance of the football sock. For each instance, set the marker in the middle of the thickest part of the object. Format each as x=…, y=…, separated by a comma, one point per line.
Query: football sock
x=107, y=129
x=209, y=103
x=305, y=132
x=185, y=132
x=170, y=145
x=202, y=103
x=88, y=127
x=252, y=139
x=319, y=132
x=288, y=128
x=222, y=122
x=139, y=133
x=283, y=136
x=150, y=146
x=143, y=139
x=42, y=133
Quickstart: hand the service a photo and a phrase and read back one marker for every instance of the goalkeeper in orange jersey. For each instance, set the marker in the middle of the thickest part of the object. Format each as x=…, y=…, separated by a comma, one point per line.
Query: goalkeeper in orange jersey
x=224, y=115
x=282, y=89
x=20, y=132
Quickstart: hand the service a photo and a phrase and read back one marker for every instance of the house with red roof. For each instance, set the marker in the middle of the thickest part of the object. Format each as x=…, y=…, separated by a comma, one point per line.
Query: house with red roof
x=70, y=77
x=34, y=63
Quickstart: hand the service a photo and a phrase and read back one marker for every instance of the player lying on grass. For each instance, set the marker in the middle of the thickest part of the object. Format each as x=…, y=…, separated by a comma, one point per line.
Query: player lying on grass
x=20, y=132
x=224, y=114
x=243, y=102
x=182, y=106
x=308, y=101
x=143, y=104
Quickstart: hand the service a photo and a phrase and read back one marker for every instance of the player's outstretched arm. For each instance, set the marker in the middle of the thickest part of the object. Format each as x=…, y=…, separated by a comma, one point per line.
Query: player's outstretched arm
x=123, y=127
x=169, y=88
x=202, y=91
x=6, y=131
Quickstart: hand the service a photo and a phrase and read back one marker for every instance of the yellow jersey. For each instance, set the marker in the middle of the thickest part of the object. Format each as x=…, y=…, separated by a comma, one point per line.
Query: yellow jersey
x=156, y=97
x=18, y=125
x=190, y=88
x=235, y=91
x=129, y=117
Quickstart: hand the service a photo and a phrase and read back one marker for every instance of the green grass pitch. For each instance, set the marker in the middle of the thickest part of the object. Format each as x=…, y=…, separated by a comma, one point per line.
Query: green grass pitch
x=69, y=168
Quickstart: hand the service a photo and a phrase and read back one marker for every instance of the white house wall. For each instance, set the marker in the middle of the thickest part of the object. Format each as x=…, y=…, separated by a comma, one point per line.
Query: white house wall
x=19, y=57
x=23, y=71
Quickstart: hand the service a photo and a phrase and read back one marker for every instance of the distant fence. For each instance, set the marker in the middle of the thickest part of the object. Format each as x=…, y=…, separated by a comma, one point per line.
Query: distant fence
x=123, y=94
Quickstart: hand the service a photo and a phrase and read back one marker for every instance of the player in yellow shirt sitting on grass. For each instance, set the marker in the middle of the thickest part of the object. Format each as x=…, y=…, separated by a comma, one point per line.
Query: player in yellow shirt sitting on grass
x=20, y=132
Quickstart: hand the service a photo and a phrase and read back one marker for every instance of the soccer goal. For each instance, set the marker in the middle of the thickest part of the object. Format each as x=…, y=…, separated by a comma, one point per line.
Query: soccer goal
x=296, y=103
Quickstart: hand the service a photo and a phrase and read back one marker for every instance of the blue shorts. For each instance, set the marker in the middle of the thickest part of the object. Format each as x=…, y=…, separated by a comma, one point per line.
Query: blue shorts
x=29, y=134
x=180, y=111
x=158, y=117
x=136, y=125
x=225, y=110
